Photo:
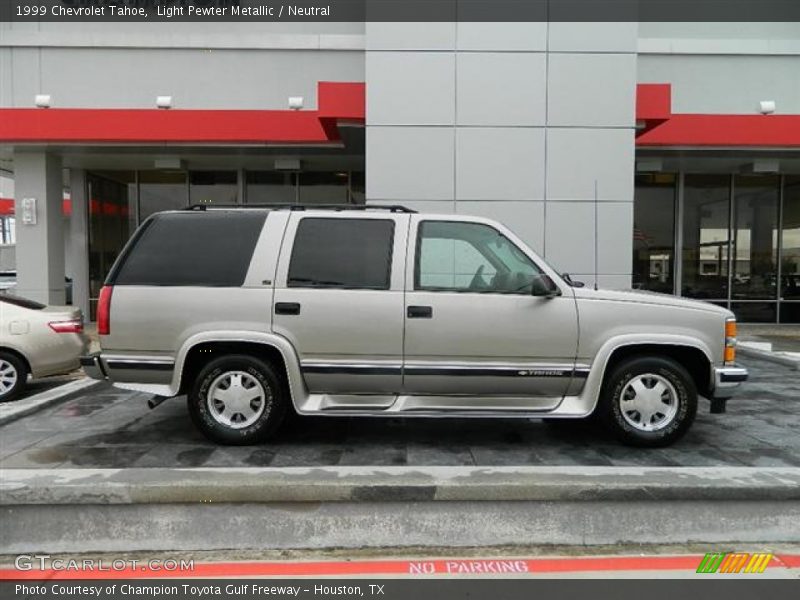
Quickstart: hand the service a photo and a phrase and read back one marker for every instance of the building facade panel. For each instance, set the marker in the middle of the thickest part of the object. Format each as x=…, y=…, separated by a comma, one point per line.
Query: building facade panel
x=499, y=163
x=591, y=90
x=501, y=89
x=397, y=170
x=411, y=88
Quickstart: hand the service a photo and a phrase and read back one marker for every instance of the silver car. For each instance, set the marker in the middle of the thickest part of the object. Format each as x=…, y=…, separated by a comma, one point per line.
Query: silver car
x=37, y=340
x=381, y=311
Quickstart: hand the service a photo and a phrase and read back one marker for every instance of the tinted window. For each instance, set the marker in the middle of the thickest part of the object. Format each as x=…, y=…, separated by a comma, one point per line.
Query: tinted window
x=470, y=257
x=342, y=253
x=199, y=249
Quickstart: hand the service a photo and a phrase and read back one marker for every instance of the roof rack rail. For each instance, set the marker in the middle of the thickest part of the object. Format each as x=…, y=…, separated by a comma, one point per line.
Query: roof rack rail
x=395, y=208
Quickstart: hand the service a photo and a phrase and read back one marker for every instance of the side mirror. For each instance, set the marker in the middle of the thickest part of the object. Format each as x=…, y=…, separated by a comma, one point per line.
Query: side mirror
x=544, y=287
x=569, y=280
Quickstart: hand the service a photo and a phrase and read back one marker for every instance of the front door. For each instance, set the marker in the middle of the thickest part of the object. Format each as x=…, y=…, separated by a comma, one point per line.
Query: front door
x=472, y=327
x=339, y=300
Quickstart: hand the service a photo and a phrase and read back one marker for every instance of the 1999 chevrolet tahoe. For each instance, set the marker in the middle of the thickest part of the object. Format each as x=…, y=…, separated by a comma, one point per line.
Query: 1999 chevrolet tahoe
x=380, y=311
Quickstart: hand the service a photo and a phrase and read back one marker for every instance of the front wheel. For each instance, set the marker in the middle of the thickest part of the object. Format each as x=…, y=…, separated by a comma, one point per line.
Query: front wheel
x=237, y=400
x=648, y=402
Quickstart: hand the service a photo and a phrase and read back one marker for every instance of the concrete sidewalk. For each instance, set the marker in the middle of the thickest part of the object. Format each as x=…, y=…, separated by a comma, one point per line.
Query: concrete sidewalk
x=776, y=343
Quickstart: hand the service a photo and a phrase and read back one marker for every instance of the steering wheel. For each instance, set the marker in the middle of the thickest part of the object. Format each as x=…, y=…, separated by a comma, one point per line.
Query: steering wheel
x=478, y=282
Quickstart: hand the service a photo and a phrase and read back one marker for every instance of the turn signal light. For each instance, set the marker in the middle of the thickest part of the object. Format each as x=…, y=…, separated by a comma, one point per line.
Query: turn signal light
x=730, y=341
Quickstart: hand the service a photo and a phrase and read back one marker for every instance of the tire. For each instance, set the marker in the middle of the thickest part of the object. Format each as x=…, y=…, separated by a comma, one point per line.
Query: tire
x=648, y=402
x=13, y=376
x=255, y=411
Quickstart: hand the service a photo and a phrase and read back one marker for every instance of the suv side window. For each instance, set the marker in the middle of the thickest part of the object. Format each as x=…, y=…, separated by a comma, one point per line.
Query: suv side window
x=470, y=257
x=342, y=253
x=211, y=249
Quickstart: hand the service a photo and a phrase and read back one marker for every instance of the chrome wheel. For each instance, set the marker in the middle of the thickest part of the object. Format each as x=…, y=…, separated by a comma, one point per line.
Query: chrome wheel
x=237, y=399
x=648, y=402
x=8, y=377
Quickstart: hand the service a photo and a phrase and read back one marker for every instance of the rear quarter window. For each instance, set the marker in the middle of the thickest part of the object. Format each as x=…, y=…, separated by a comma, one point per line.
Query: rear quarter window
x=208, y=249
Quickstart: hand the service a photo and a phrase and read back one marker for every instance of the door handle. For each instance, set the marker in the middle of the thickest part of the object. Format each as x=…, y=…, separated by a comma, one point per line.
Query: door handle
x=420, y=312
x=287, y=308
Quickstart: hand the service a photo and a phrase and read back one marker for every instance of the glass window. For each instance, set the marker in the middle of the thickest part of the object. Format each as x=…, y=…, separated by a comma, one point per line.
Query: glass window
x=654, y=232
x=161, y=190
x=470, y=257
x=213, y=187
x=112, y=220
x=271, y=187
x=755, y=237
x=324, y=188
x=342, y=253
x=192, y=249
x=358, y=188
x=790, y=241
x=706, y=239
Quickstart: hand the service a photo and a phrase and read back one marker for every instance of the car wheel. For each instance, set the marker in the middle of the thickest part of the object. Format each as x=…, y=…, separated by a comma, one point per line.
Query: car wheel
x=13, y=376
x=237, y=400
x=648, y=402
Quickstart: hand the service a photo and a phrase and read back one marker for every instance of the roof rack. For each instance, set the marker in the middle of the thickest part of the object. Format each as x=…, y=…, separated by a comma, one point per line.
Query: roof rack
x=395, y=208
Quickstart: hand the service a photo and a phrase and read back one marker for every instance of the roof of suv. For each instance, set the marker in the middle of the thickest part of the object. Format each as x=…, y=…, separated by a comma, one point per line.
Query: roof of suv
x=395, y=208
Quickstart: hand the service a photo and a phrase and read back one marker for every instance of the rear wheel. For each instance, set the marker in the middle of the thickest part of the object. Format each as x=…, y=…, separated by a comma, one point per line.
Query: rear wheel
x=237, y=400
x=648, y=402
x=13, y=376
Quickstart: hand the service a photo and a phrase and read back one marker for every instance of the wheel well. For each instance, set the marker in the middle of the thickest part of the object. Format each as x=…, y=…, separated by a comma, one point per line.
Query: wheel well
x=201, y=354
x=19, y=355
x=692, y=359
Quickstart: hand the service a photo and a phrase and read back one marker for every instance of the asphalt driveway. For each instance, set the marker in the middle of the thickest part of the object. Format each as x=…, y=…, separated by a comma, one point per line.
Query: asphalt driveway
x=107, y=427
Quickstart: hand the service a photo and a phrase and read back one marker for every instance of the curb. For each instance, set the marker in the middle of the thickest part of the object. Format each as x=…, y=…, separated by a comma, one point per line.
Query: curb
x=12, y=411
x=114, y=510
x=772, y=357
x=264, y=485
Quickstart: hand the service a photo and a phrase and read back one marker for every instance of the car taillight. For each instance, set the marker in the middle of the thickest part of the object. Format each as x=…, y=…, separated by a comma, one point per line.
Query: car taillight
x=104, y=310
x=71, y=326
x=730, y=341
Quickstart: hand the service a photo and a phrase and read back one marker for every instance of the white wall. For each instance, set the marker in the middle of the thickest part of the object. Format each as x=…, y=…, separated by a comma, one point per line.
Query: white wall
x=527, y=123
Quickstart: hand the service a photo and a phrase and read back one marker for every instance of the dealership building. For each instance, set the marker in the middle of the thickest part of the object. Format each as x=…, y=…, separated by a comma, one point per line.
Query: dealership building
x=659, y=156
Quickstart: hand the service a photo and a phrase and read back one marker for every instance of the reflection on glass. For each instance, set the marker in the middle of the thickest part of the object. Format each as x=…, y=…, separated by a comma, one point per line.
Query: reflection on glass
x=324, y=188
x=213, y=187
x=706, y=239
x=161, y=190
x=755, y=312
x=271, y=187
x=755, y=236
x=358, y=193
x=112, y=215
x=790, y=242
x=654, y=232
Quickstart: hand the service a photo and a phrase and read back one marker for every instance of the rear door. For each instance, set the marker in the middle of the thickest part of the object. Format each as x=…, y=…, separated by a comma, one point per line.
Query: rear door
x=339, y=299
x=472, y=326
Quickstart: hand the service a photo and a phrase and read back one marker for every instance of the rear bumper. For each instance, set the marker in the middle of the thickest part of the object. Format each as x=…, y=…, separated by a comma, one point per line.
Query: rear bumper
x=93, y=366
x=727, y=380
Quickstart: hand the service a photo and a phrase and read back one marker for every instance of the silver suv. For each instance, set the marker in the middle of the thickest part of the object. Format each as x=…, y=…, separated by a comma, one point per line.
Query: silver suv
x=254, y=312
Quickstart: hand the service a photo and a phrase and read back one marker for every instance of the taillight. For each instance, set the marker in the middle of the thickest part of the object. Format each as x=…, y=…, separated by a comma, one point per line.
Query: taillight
x=104, y=310
x=71, y=326
x=730, y=341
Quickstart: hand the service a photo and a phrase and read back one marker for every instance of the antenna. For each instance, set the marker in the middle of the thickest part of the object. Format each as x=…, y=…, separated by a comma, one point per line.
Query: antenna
x=596, y=236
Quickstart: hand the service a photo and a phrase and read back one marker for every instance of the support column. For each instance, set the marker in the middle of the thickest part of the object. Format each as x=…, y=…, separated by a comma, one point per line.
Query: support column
x=40, y=246
x=79, y=240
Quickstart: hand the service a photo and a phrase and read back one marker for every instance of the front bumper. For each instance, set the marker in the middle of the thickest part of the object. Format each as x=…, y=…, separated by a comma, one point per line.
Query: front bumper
x=93, y=366
x=727, y=380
